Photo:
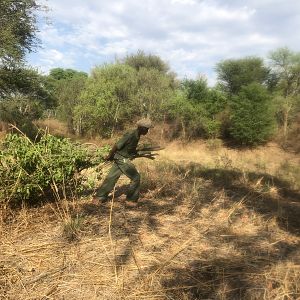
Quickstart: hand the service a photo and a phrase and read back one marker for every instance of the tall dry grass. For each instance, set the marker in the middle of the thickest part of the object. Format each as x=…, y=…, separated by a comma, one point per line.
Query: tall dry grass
x=53, y=126
x=212, y=223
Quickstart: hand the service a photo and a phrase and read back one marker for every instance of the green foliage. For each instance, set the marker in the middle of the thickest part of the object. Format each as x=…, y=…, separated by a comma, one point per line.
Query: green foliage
x=22, y=90
x=34, y=171
x=116, y=92
x=17, y=29
x=285, y=66
x=154, y=91
x=66, y=86
x=107, y=101
x=284, y=63
x=196, y=90
x=233, y=74
x=286, y=108
x=20, y=111
x=198, y=109
x=215, y=102
x=60, y=74
x=252, y=115
x=16, y=81
x=141, y=60
x=211, y=127
x=214, y=118
x=69, y=92
x=23, y=97
x=187, y=114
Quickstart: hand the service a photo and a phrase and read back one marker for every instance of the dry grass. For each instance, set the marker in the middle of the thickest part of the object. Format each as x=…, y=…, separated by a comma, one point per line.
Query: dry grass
x=211, y=224
x=263, y=159
x=54, y=126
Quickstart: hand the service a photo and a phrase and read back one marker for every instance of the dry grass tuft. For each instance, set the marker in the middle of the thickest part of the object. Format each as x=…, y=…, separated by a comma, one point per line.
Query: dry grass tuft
x=210, y=225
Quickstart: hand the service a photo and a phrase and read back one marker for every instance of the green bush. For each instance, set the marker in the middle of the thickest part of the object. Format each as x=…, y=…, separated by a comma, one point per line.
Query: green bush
x=211, y=128
x=198, y=109
x=252, y=117
x=106, y=102
x=186, y=114
x=32, y=172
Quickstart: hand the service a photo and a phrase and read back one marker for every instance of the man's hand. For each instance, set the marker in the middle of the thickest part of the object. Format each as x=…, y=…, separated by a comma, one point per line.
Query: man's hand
x=111, y=154
x=108, y=158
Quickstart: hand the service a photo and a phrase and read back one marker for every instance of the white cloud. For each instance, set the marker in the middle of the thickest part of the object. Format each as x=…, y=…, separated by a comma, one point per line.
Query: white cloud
x=192, y=35
x=190, y=2
x=259, y=39
x=51, y=58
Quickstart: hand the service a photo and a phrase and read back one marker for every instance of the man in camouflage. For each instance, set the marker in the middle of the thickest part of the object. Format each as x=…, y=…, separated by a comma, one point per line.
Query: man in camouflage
x=121, y=154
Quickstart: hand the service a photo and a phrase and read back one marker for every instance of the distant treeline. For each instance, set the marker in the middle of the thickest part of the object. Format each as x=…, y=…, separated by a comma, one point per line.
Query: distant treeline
x=251, y=102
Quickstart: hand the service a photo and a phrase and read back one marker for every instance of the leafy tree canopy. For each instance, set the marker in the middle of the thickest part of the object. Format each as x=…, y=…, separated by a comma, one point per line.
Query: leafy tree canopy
x=196, y=90
x=60, y=82
x=60, y=73
x=148, y=61
x=233, y=74
x=106, y=101
x=19, y=81
x=252, y=115
x=153, y=93
x=23, y=96
x=17, y=29
x=285, y=66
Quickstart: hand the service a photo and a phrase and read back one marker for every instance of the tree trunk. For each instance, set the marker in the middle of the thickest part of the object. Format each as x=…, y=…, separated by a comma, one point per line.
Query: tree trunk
x=285, y=125
x=115, y=122
x=286, y=111
x=162, y=132
x=183, y=130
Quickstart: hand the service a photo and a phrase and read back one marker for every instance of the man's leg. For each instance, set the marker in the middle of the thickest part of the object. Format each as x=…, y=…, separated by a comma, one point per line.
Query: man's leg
x=130, y=171
x=109, y=182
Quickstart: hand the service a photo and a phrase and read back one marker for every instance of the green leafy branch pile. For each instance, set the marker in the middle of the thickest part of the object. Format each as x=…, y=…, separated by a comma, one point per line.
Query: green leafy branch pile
x=35, y=171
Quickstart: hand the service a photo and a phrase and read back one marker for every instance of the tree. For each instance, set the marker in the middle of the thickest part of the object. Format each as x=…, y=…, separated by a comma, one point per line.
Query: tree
x=285, y=66
x=150, y=61
x=233, y=74
x=107, y=100
x=65, y=86
x=60, y=74
x=22, y=81
x=17, y=29
x=153, y=93
x=196, y=90
x=22, y=92
x=142, y=61
x=252, y=115
x=118, y=93
x=23, y=96
x=186, y=113
x=208, y=103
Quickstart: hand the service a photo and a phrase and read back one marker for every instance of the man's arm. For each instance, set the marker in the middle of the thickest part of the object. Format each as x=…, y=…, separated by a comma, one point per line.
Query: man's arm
x=118, y=146
x=111, y=153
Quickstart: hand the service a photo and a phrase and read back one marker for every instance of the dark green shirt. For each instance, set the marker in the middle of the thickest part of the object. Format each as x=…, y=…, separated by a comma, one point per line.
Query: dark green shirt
x=127, y=145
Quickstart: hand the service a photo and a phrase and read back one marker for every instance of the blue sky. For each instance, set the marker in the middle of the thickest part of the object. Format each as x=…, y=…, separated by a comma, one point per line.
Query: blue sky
x=191, y=35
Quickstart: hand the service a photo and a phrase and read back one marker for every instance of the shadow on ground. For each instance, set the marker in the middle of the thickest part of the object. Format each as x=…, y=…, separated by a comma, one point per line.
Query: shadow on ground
x=256, y=190
x=209, y=276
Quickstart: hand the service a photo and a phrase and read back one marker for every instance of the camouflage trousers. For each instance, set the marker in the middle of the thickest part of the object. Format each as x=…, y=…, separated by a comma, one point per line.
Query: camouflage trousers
x=119, y=167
